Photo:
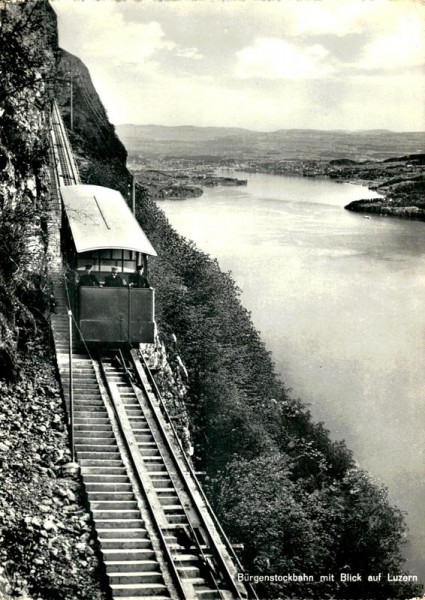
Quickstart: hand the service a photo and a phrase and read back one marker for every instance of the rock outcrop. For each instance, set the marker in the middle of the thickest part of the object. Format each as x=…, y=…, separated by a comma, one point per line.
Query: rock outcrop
x=91, y=132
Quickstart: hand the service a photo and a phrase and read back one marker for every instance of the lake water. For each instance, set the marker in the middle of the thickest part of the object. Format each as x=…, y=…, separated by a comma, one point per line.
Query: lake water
x=339, y=300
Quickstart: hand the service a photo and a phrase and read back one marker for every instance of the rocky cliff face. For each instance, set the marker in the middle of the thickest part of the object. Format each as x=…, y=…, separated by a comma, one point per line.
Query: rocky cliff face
x=27, y=65
x=91, y=132
x=47, y=548
x=27, y=59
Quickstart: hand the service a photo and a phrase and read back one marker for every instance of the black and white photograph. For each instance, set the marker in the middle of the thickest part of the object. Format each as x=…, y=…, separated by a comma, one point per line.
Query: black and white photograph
x=212, y=299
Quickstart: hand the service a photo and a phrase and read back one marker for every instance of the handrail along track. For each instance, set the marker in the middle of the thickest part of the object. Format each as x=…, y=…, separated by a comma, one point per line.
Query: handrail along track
x=213, y=553
x=169, y=420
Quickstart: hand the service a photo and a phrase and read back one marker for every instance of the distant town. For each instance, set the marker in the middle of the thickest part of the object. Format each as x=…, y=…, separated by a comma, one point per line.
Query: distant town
x=400, y=180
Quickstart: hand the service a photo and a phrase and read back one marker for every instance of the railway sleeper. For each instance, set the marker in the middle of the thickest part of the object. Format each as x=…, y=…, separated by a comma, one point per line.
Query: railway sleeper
x=129, y=557
x=166, y=492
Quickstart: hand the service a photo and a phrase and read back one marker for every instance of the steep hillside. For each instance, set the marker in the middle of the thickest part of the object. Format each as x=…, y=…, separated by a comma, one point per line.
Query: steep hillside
x=91, y=131
x=47, y=544
x=293, y=497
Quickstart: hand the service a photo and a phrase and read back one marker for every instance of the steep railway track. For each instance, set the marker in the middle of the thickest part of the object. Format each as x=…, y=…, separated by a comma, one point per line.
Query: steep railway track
x=133, y=561
x=158, y=535
x=65, y=166
x=199, y=556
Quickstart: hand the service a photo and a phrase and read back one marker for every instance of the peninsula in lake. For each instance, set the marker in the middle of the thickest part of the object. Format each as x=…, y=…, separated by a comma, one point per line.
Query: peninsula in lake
x=178, y=161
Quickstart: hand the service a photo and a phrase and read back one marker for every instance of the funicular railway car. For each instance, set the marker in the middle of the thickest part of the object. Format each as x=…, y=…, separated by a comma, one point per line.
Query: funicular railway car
x=100, y=230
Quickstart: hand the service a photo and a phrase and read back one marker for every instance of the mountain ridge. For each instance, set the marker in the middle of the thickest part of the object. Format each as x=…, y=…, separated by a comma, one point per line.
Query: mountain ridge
x=257, y=131
x=233, y=142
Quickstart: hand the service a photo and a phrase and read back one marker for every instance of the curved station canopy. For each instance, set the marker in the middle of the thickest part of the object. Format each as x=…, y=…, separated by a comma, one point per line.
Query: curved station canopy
x=100, y=218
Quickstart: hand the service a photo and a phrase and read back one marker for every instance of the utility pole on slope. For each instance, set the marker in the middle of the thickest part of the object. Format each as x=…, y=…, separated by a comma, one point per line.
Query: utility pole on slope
x=71, y=82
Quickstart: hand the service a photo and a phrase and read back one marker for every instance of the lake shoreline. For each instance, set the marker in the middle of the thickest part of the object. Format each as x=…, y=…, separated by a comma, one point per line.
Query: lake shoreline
x=400, y=181
x=343, y=290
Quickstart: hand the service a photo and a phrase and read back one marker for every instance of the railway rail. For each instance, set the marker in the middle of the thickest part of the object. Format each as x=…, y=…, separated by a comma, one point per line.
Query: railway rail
x=158, y=535
x=65, y=166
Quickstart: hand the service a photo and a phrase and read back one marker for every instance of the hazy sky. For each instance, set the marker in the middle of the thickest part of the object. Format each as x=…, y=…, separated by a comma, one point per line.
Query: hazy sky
x=265, y=65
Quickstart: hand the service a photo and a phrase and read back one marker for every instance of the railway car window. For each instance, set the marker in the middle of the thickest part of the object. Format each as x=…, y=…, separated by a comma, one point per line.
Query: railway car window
x=129, y=266
x=87, y=255
x=103, y=260
x=106, y=264
x=81, y=263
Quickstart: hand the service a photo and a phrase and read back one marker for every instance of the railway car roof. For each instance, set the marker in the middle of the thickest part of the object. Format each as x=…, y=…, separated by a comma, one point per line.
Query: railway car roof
x=100, y=218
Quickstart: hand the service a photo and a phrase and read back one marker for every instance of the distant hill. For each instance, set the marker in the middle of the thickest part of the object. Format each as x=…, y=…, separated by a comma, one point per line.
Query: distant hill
x=238, y=143
x=181, y=133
